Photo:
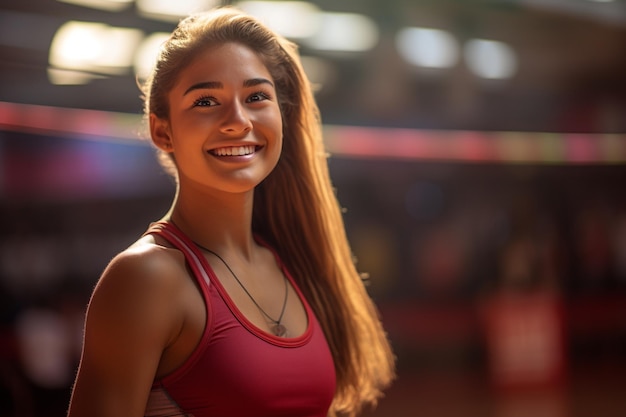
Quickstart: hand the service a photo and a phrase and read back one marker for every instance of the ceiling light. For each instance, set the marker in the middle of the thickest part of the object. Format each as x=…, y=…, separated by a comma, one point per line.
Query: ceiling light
x=429, y=48
x=147, y=53
x=173, y=11
x=490, y=59
x=109, y=5
x=94, y=47
x=344, y=32
x=291, y=19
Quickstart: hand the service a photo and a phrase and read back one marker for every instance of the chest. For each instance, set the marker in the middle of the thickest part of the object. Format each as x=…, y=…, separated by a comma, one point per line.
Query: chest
x=237, y=370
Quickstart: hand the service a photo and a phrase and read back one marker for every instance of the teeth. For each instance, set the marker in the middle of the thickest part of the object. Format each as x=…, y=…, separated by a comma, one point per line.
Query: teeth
x=234, y=151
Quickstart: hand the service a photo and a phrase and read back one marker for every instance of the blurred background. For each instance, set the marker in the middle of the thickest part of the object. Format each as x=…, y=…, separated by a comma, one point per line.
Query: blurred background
x=479, y=148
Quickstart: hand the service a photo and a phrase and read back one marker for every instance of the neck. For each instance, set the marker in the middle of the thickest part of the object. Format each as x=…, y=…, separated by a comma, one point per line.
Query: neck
x=221, y=221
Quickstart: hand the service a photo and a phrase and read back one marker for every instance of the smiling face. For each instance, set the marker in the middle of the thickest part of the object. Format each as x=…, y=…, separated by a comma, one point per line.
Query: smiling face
x=224, y=126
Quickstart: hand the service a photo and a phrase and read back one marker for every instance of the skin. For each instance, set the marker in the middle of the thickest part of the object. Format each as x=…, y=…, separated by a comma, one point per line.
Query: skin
x=147, y=315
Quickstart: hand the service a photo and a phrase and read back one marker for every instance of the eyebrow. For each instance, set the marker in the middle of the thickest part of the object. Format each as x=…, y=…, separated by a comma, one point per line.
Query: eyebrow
x=217, y=85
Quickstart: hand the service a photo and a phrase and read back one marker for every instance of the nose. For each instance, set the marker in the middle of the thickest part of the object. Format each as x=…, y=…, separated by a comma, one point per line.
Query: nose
x=236, y=119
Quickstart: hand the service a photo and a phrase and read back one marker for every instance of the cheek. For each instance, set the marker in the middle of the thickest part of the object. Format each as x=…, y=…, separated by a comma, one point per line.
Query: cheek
x=277, y=132
x=278, y=121
x=274, y=124
x=278, y=145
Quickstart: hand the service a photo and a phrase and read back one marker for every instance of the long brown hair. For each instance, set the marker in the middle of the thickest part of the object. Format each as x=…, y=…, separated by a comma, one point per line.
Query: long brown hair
x=295, y=207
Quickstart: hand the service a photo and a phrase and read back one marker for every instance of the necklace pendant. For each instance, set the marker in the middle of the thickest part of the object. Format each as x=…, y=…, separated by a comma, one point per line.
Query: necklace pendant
x=279, y=330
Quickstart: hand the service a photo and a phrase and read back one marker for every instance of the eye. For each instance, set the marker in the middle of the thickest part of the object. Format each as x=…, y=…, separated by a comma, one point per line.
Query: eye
x=205, y=101
x=258, y=96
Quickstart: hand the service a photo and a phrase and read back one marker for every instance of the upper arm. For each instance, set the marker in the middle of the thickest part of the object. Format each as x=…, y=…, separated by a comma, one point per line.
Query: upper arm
x=131, y=319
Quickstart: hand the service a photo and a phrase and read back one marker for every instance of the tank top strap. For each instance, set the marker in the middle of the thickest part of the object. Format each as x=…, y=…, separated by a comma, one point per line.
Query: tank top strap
x=193, y=256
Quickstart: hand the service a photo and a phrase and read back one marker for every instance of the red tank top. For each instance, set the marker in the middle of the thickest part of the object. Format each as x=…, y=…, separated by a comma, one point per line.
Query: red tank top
x=237, y=369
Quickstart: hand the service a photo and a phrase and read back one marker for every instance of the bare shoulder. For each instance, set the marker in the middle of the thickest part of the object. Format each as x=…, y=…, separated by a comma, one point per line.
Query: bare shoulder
x=140, y=283
x=133, y=316
x=145, y=262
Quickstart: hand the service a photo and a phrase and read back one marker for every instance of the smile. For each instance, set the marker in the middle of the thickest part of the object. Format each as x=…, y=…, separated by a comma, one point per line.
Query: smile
x=234, y=151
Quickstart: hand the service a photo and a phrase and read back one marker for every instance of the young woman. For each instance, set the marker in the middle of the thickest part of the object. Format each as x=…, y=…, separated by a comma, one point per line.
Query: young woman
x=244, y=299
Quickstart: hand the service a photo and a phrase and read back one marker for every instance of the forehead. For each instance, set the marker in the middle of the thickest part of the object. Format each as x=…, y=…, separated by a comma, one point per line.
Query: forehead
x=229, y=62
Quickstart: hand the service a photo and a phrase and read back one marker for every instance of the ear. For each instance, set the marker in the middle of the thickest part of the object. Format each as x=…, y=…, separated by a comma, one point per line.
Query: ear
x=160, y=133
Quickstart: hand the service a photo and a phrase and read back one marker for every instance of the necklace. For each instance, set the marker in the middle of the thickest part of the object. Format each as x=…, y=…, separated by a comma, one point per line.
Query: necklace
x=278, y=328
